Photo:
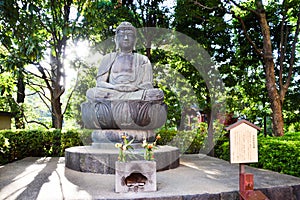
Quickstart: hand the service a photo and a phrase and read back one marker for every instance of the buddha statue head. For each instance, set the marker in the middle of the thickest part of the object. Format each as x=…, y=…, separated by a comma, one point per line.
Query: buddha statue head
x=125, y=37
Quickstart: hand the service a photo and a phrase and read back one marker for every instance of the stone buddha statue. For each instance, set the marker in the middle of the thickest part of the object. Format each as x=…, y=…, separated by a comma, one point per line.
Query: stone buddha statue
x=124, y=97
x=124, y=74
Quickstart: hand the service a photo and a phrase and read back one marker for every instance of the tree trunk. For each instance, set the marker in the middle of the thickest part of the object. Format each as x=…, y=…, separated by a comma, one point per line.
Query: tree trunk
x=276, y=104
x=17, y=112
x=57, y=116
x=277, y=117
x=148, y=43
x=19, y=116
x=148, y=52
x=21, y=88
x=56, y=92
x=181, y=125
x=56, y=105
x=265, y=118
x=210, y=135
x=210, y=122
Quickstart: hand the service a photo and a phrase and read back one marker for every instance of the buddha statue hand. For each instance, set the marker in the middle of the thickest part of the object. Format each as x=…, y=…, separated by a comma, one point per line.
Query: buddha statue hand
x=153, y=94
x=125, y=88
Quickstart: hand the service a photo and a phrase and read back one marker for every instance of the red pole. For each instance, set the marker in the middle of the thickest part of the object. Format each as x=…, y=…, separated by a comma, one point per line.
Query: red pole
x=242, y=181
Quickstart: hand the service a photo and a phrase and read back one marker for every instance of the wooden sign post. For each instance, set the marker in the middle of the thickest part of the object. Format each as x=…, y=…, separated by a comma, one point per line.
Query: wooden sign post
x=244, y=149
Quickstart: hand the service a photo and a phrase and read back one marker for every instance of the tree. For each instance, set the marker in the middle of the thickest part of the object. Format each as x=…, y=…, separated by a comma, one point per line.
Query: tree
x=179, y=89
x=56, y=19
x=244, y=77
x=21, y=48
x=152, y=14
x=276, y=50
x=273, y=38
x=207, y=27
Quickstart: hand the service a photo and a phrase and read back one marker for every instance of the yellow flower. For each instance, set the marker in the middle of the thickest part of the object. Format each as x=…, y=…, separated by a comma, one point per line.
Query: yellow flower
x=118, y=145
x=158, y=137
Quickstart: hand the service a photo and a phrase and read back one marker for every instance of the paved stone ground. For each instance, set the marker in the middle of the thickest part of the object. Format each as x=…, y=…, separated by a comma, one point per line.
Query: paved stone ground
x=198, y=177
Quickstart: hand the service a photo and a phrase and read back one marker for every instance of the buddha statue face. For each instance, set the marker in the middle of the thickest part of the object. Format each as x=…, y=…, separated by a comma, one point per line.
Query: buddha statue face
x=125, y=37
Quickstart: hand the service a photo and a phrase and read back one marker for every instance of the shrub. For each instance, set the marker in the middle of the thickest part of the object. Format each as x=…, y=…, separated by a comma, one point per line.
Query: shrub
x=18, y=144
x=280, y=154
x=222, y=148
x=187, y=141
x=4, y=149
x=166, y=136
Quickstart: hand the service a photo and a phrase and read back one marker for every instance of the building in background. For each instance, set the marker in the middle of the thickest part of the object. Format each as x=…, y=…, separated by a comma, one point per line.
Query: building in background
x=5, y=120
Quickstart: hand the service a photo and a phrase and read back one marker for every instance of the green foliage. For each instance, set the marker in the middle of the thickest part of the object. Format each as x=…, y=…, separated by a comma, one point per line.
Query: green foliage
x=18, y=144
x=166, y=136
x=4, y=144
x=222, y=148
x=207, y=26
x=223, y=36
x=295, y=127
x=192, y=141
x=101, y=18
x=246, y=69
x=291, y=107
x=86, y=80
x=72, y=138
x=6, y=84
x=6, y=89
x=280, y=154
x=29, y=27
x=187, y=141
x=182, y=84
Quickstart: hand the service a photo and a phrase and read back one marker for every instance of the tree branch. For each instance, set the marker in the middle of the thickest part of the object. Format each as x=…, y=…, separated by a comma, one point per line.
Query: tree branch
x=34, y=74
x=41, y=94
x=283, y=43
x=32, y=93
x=44, y=77
x=283, y=47
x=203, y=6
x=80, y=9
x=71, y=94
x=38, y=85
x=244, y=8
x=292, y=60
x=257, y=50
x=45, y=101
x=37, y=122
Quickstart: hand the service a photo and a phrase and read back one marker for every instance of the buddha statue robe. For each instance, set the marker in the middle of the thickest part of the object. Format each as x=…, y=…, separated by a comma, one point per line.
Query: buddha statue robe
x=124, y=76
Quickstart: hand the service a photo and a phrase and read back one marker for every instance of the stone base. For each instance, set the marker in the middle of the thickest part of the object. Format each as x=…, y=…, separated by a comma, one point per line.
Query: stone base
x=135, y=176
x=95, y=160
x=114, y=135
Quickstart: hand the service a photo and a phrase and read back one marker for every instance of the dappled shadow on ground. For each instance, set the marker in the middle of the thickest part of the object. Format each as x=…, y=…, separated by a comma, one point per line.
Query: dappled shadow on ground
x=23, y=180
x=197, y=177
x=32, y=190
x=14, y=171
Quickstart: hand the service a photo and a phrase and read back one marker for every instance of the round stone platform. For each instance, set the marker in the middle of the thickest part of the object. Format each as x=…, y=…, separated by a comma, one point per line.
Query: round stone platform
x=102, y=160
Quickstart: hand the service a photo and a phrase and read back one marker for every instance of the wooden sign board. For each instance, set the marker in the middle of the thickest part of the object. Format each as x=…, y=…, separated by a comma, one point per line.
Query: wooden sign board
x=243, y=142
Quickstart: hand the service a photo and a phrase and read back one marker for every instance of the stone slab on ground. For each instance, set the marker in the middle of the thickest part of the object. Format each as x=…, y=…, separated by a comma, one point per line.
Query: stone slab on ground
x=198, y=177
